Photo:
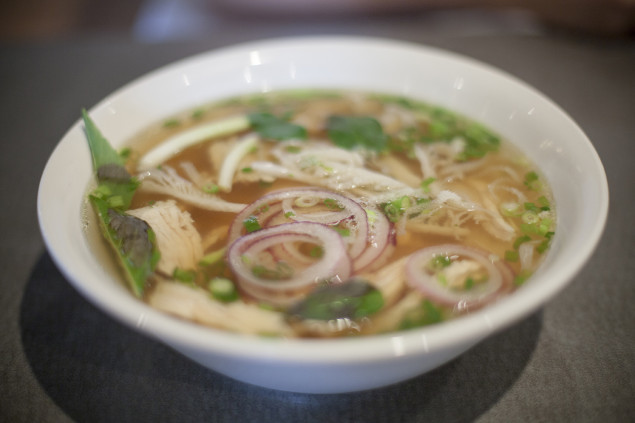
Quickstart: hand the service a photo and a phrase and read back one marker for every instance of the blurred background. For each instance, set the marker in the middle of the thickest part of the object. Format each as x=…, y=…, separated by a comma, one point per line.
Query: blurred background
x=171, y=20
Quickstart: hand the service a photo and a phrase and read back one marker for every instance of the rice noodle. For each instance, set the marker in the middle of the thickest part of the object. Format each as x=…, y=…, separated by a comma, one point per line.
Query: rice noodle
x=497, y=185
x=526, y=254
x=230, y=164
x=195, y=135
x=424, y=228
x=426, y=167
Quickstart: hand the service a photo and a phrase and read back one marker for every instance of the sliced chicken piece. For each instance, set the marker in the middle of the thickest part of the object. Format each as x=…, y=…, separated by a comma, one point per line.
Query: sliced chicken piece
x=178, y=240
x=195, y=304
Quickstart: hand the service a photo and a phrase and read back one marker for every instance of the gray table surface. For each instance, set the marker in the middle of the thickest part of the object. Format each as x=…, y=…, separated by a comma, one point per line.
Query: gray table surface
x=63, y=360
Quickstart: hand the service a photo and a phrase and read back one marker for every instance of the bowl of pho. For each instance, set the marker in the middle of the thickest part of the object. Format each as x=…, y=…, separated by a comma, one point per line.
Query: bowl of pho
x=322, y=214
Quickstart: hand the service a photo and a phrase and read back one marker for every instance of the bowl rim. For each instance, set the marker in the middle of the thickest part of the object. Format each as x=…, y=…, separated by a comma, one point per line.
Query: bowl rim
x=470, y=328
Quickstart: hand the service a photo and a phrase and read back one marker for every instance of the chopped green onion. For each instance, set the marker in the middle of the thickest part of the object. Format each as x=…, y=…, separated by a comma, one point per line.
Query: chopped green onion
x=116, y=201
x=316, y=252
x=292, y=149
x=171, y=123
x=532, y=181
x=425, y=184
x=251, y=224
x=544, y=226
x=333, y=204
x=511, y=255
x=520, y=240
x=439, y=262
x=223, y=290
x=395, y=208
x=282, y=271
x=544, y=202
x=530, y=217
x=198, y=113
x=510, y=209
x=263, y=208
x=211, y=188
x=342, y=231
x=213, y=257
x=371, y=216
x=543, y=246
x=426, y=314
x=125, y=153
x=469, y=283
x=182, y=275
x=522, y=277
x=102, y=191
x=529, y=229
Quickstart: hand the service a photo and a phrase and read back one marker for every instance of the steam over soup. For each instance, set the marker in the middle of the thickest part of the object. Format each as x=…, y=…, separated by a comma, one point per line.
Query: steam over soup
x=320, y=214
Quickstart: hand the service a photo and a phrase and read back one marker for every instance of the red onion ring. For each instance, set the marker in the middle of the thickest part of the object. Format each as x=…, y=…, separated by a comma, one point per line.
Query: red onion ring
x=499, y=277
x=334, y=266
x=381, y=243
x=267, y=209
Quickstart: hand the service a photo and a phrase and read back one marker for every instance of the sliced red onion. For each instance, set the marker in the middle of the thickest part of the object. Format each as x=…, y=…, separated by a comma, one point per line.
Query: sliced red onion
x=278, y=207
x=298, y=208
x=334, y=265
x=420, y=277
x=380, y=243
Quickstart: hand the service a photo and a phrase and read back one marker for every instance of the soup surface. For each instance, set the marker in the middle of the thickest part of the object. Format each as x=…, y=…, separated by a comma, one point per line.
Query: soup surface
x=321, y=214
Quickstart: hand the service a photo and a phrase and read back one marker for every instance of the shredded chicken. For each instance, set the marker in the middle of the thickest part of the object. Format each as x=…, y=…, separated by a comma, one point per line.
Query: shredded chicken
x=331, y=167
x=449, y=209
x=167, y=181
x=195, y=304
x=177, y=239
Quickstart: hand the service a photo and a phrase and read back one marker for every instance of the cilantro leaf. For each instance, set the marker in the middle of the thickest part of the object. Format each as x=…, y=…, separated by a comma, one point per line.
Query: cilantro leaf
x=350, y=132
x=274, y=127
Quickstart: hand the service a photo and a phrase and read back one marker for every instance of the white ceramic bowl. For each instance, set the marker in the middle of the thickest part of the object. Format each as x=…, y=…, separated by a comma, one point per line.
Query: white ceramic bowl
x=521, y=114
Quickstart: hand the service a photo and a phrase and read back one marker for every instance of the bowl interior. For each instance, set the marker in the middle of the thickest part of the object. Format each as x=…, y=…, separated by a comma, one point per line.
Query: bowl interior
x=518, y=112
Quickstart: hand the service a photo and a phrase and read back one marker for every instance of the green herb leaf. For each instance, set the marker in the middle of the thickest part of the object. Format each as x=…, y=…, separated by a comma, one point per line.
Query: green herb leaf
x=116, y=186
x=133, y=242
x=480, y=141
x=101, y=151
x=350, y=132
x=353, y=299
x=274, y=127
